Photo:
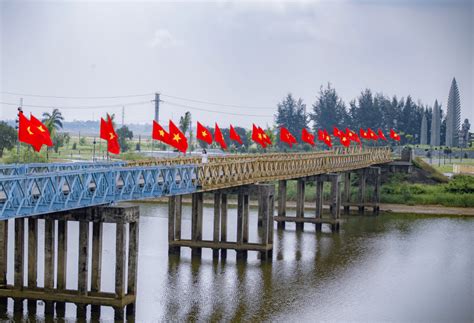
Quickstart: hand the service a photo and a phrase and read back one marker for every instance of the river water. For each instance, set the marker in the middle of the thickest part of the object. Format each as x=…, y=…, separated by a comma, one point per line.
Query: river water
x=386, y=268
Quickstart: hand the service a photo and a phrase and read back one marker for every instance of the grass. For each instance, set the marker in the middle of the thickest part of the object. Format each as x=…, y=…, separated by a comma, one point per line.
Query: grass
x=433, y=173
x=459, y=192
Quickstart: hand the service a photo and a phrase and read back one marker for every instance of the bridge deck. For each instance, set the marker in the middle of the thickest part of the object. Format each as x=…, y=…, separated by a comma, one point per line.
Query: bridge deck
x=34, y=189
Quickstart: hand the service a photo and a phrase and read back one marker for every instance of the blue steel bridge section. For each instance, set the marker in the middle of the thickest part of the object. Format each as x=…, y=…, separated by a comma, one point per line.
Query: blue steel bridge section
x=35, y=189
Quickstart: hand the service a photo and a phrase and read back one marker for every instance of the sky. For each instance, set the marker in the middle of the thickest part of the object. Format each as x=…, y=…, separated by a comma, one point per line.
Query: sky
x=246, y=55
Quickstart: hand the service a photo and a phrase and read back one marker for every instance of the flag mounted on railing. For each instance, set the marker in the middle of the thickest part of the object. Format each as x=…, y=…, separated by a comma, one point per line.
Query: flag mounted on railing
x=307, y=137
x=257, y=136
x=327, y=139
x=177, y=138
x=395, y=136
x=381, y=135
x=336, y=132
x=159, y=133
x=287, y=137
x=344, y=139
x=108, y=133
x=234, y=135
x=33, y=132
x=219, y=138
x=203, y=134
x=353, y=136
x=372, y=134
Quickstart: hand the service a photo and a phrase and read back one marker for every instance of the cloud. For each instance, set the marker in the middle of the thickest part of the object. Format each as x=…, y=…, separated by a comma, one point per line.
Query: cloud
x=162, y=38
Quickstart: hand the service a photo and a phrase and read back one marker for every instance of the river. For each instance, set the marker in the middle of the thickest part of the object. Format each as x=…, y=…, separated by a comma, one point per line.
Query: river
x=386, y=268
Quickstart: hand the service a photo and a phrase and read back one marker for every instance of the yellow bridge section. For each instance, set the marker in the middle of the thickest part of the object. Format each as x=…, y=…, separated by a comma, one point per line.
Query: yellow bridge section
x=242, y=169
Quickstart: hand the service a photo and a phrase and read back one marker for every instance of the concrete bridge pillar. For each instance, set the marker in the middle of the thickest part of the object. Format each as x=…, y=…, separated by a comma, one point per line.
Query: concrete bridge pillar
x=54, y=293
x=368, y=193
x=265, y=195
x=318, y=219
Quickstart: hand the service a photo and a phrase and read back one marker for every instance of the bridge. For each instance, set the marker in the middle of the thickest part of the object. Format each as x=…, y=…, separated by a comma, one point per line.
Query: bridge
x=89, y=193
x=35, y=189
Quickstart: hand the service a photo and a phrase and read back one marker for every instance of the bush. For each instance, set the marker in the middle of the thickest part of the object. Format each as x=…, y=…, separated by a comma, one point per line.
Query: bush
x=74, y=146
x=27, y=156
x=461, y=184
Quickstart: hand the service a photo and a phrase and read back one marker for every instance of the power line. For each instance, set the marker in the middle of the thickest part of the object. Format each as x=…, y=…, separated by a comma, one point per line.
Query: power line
x=218, y=104
x=79, y=107
x=216, y=111
x=138, y=95
x=76, y=97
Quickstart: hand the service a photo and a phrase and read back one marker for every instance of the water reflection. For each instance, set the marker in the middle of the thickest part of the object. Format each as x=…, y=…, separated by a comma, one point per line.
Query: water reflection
x=395, y=268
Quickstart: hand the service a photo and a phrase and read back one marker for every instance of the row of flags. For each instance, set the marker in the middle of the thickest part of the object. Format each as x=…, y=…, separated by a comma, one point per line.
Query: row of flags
x=34, y=132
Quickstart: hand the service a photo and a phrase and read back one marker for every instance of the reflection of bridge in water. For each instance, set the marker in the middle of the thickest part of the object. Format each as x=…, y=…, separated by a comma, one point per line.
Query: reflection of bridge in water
x=86, y=192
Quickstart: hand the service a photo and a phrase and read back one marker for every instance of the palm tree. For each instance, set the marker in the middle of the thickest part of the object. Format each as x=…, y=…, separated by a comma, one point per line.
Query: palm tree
x=53, y=121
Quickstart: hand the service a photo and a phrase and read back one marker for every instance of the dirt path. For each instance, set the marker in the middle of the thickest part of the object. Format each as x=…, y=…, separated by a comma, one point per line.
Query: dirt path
x=391, y=208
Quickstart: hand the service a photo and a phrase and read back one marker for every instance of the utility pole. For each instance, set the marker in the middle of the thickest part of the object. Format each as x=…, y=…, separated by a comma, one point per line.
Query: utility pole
x=157, y=107
x=157, y=115
x=123, y=116
x=20, y=110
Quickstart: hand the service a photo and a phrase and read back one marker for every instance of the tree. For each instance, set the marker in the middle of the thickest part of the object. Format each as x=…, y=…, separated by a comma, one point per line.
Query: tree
x=185, y=125
x=7, y=137
x=53, y=121
x=59, y=140
x=329, y=110
x=123, y=134
x=291, y=114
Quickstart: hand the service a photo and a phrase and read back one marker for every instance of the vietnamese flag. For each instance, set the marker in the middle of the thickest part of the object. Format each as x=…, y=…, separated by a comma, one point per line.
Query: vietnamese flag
x=364, y=134
x=372, y=134
x=327, y=139
x=381, y=135
x=41, y=130
x=344, y=139
x=336, y=132
x=27, y=133
x=395, y=136
x=159, y=133
x=177, y=138
x=321, y=135
x=234, y=135
x=266, y=138
x=353, y=136
x=108, y=133
x=203, y=134
x=257, y=136
x=307, y=137
x=286, y=136
x=219, y=138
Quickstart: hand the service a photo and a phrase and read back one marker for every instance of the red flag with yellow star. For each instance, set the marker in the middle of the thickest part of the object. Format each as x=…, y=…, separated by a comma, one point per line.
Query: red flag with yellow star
x=108, y=133
x=27, y=133
x=177, y=138
x=286, y=136
x=219, y=138
x=203, y=134
x=344, y=139
x=41, y=130
x=234, y=135
x=159, y=133
x=395, y=136
x=257, y=136
x=307, y=137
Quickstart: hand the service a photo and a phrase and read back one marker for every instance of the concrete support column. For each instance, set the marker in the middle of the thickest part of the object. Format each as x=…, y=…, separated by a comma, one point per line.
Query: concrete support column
x=362, y=186
x=217, y=220
x=223, y=223
x=61, y=275
x=347, y=191
x=196, y=221
x=32, y=259
x=281, y=202
x=300, y=192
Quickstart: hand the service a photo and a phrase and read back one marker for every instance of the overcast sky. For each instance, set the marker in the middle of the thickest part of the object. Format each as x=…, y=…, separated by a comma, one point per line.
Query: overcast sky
x=237, y=53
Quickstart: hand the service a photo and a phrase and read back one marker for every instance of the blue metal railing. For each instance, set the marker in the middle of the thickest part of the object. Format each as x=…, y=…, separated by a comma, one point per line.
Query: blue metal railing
x=33, y=168
x=59, y=189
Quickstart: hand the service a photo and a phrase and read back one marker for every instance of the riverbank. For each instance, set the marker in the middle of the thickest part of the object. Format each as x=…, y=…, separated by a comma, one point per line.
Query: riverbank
x=384, y=207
